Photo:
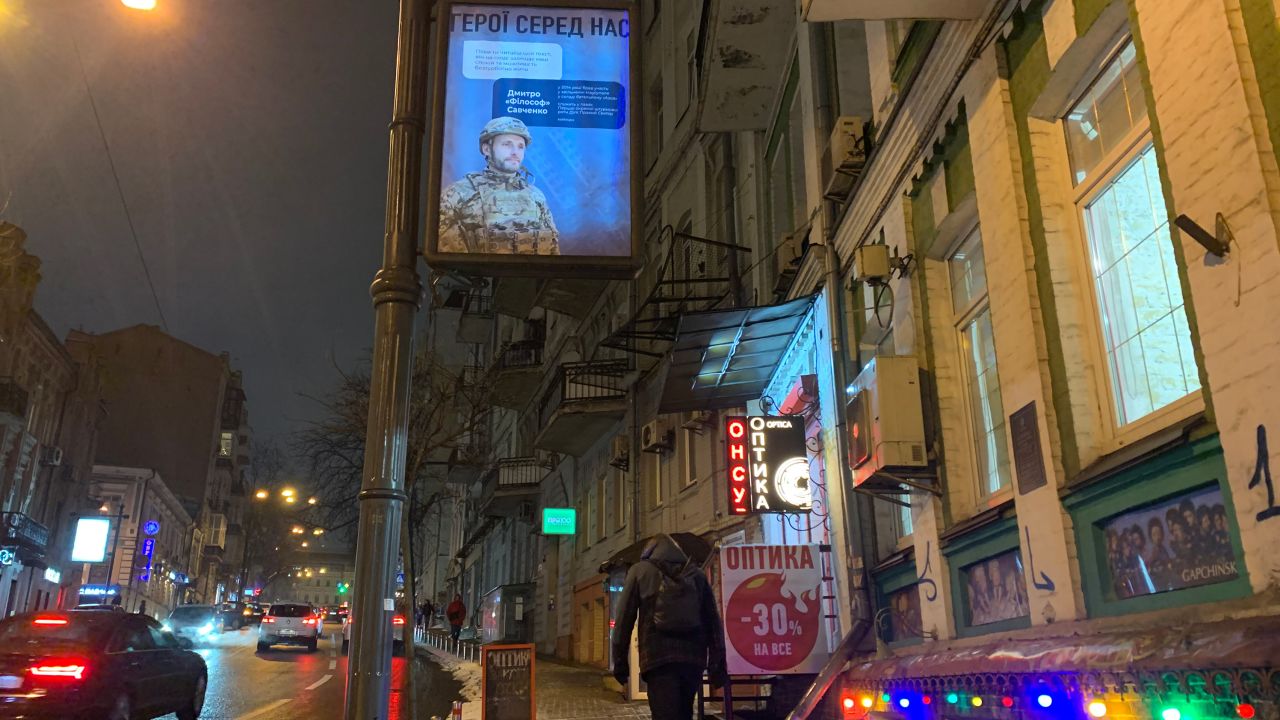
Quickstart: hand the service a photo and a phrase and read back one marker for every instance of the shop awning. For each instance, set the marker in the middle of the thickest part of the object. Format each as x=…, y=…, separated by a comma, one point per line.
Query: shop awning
x=724, y=358
x=1192, y=647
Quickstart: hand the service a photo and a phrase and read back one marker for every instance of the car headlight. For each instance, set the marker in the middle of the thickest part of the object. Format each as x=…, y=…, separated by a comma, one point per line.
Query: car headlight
x=206, y=628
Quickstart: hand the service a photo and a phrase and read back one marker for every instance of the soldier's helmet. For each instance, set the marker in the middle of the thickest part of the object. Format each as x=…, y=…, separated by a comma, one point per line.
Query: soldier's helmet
x=505, y=126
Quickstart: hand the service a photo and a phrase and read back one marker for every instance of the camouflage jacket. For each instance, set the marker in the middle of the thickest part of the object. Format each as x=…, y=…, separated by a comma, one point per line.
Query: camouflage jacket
x=499, y=213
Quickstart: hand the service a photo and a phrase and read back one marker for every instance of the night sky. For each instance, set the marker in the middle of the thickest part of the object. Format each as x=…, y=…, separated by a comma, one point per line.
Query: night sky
x=250, y=137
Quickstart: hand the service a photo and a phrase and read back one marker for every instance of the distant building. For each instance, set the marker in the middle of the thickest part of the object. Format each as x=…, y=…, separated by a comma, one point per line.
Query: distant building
x=149, y=560
x=49, y=411
x=181, y=410
x=317, y=578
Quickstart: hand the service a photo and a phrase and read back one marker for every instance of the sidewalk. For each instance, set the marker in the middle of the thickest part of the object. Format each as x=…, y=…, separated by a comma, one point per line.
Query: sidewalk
x=563, y=692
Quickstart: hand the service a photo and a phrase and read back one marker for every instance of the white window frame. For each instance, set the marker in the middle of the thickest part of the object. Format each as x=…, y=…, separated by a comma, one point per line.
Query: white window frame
x=1099, y=180
x=602, y=506
x=689, y=457
x=620, y=500
x=961, y=318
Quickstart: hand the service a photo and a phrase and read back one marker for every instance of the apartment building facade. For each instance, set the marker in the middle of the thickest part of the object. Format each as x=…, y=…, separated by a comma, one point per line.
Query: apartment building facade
x=182, y=411
x=1030, y=244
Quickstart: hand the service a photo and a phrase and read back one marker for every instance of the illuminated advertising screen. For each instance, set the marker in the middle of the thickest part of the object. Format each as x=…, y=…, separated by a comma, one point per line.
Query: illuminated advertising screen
x=559, y=521
x=532, y=143
x=90, y=544
x=768, y=465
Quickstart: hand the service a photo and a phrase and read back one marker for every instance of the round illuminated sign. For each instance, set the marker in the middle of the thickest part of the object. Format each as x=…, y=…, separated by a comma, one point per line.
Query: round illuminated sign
x=792, y=483
x=6, y=556
x=151, y=527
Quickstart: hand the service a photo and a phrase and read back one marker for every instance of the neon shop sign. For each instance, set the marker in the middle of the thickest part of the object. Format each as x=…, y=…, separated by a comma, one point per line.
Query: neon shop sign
x=768, y=465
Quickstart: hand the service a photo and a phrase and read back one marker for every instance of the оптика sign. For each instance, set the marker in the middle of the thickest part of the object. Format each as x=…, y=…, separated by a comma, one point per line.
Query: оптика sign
x=768, y=465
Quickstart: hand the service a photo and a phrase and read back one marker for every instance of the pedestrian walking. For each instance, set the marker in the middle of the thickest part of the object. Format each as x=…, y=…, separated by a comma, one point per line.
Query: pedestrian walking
x=456, y=613
x=428, y=610
x=681, y=635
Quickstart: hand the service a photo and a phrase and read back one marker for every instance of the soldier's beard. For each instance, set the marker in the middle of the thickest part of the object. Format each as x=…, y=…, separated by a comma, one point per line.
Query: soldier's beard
x=505, y=166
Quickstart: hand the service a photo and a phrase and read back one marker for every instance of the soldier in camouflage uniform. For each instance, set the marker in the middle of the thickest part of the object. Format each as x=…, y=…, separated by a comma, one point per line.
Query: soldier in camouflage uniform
x=498, y=210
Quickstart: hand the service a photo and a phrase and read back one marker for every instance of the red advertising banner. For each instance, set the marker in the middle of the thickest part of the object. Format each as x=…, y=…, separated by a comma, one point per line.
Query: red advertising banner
x=772, y=605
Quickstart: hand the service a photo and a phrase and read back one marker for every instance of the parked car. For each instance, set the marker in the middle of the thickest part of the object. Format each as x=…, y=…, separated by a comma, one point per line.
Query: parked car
x=97, y=665
x=197, y=623
x=253, y=613
x=290, y=624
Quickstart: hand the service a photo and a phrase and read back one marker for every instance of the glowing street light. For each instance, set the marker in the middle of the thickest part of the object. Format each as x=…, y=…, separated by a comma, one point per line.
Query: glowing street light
x=304, y=543
x=297, y=530
x=318, y=531
x=291, y=499
x=139, y=4
x=262, y=494
x=311, y=501
x=324, y=570
x=288, y=492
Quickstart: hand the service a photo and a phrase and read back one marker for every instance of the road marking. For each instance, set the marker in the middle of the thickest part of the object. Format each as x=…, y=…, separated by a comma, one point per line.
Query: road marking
x=263, y=710
x=319, y=682
x=333, y=664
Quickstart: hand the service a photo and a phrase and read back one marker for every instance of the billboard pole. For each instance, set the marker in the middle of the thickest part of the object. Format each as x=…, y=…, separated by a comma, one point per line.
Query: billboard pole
x=397, y=293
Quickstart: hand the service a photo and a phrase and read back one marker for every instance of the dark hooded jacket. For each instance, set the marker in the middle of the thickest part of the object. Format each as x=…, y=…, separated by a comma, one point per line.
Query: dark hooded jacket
x=704, y=648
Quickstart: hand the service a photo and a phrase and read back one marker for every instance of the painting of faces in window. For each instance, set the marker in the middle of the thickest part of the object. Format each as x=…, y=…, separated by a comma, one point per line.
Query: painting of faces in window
x=904, y=614
x=996, y=589
x=1180, y=543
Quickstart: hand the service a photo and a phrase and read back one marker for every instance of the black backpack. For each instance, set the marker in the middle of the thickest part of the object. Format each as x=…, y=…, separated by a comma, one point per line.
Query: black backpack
x=677, y=608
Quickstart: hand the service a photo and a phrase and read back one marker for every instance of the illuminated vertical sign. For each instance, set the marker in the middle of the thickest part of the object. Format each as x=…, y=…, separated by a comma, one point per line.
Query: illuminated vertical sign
x=148, y=549
x=768, y=465
x=739, y=481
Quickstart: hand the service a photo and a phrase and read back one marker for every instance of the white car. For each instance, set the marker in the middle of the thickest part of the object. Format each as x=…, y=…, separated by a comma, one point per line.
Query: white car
x=397, y=641
x=290, y=624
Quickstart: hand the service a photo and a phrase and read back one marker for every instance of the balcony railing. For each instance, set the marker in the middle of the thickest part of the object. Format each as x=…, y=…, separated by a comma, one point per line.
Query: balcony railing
x=520, y=472
x=13, y=399
x=21, y=529
x=519, y=355
x=584, y=382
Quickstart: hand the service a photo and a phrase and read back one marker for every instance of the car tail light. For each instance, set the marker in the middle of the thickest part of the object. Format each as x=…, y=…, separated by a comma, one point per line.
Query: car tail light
x=397, y=620
x=309, y=621
x=49, y=621
x=69, y=668
x=268, y=620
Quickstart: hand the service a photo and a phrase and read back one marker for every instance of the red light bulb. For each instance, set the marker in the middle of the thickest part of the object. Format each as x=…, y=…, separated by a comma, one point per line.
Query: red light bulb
x=1006, y=701
x=1245, y=711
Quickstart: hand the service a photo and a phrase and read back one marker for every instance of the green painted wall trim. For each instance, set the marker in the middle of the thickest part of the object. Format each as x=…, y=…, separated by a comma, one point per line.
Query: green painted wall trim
x=988, y=541
x=1264, y=47
x=887, y=582
x=923, y=225
x=914, y=48
x=1027, y=58
x=1087, y=12
x=1166, y=188
x=1193, y=466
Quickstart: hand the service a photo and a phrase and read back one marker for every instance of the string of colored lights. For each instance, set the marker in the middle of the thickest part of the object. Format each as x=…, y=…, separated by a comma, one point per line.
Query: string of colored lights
x=860, y=703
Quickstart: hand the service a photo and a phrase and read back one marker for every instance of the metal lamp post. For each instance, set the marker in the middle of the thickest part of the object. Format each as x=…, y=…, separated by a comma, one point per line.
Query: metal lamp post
x=397, y=293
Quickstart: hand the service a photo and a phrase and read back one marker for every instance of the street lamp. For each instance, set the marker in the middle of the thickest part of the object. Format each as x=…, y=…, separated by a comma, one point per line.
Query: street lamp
x=297, y=530
x=291, y=499
x=318, y=531
x=139, y=4
x=262, y=494
x=311, y=501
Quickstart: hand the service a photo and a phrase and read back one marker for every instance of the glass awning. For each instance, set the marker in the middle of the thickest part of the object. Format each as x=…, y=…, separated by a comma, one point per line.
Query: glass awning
x=725, y=358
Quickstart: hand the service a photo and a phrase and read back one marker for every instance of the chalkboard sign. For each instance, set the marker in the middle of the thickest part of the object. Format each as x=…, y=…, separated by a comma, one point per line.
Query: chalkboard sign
x=506, y=684
x=1028, y=459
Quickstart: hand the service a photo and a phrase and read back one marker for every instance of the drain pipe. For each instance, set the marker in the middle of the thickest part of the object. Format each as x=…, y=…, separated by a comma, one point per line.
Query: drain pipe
x=858, y=518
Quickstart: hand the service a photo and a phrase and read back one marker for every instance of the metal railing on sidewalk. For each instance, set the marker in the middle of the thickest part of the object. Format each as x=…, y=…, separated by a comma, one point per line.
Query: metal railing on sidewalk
x=468, y=650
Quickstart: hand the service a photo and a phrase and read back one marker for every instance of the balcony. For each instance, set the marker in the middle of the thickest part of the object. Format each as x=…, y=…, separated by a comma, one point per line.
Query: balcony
x=570, y=296
x=513, y=379
x=13, y=399
x=475, y=324
x=514, y=296
x=513, y=487
x=742, y=64
x=586, y=400
x=214, y=552
x=692, y=274
x=834, y=10
x=469, y=457
x=21, y=530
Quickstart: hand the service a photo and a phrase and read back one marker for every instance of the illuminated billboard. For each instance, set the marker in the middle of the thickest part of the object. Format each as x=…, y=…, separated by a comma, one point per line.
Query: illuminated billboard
x=90, y=543
x=768, y=465
x=533, y=138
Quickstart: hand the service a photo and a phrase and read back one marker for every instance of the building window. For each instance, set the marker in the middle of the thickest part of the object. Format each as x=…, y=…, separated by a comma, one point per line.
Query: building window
x=621, y=499
x=977, y=347
x=226, y=445
x=689, y=454
x=654, y=465
x=785, y=159
x=602, y=504
x=1137, y=293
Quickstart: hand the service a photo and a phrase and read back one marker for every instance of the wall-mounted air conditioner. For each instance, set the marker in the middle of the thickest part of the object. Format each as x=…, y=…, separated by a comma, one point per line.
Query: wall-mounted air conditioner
x=655, y=437
x=51, y=456
x=845, y=157
x=885, y=418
